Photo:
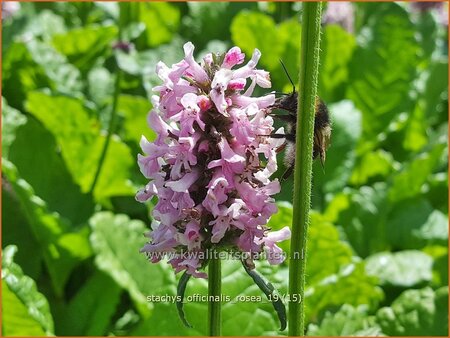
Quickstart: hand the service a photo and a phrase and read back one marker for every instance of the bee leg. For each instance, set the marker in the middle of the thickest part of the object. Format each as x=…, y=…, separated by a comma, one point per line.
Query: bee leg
x=277, y=135
x=322, y=160
x=287, y=173
x=281, y=148
x=288, y=137
x=284, y=117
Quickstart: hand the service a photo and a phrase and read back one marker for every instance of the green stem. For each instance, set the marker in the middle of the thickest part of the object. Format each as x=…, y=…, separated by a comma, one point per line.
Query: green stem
x=309, y=64
x=214, y=291
x=113, y=116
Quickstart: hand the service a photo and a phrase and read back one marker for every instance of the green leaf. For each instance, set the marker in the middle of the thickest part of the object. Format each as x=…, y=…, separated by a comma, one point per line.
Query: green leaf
x=409, y=181
x=13, y=28
x=35, y=147
x=83, y=46
x=44, y=25
x=158, y=324
x=122, y=325
x=416, y=133
x=440, y=264
x=21, y=74
x=347, y=321
x=435, y=94
x=101, y=86
x=161, y=21
x=250, y=30
x=116, y=240
x=421, y=312
x=133, y=31
x=437, y=191
x=435, y=229
x=427, y=29
x=328, y=285
x=114, y=177
x=288, y=33
x=12, y=119
x=25, y=310
x=134, y=110
x=383, y=66
x=196, y=26
x=337, y=47
x=143, y=62
x=62, y=248
x=372, y=165
x=16, y=321
x=76, y=136
x=81, y=144
x=409, y=268
x=91, y=309
x=361, y=214
x=324, y=245
x=17, y=231
x=37, y=65
x=412, y=224
x=351, y=285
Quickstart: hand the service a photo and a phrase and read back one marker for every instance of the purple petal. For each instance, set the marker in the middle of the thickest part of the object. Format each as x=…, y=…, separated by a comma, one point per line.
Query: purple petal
x=183, y=184
x=262, y=102
x=233, y=57
x=277, y=236
x=198, y=72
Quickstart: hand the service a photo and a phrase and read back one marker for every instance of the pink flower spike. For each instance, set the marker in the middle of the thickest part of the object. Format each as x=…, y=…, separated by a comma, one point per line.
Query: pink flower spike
x=211, y=163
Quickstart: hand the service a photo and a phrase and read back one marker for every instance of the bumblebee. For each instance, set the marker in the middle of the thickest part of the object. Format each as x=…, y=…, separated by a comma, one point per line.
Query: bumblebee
x=322, y=127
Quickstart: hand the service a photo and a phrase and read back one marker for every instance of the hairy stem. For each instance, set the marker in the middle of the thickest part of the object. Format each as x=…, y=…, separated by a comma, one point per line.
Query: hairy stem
x=214, y=291
x=309, y=63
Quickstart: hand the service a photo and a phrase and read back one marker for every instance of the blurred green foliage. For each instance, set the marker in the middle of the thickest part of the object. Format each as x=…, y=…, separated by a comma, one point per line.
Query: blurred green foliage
x=378, y=247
